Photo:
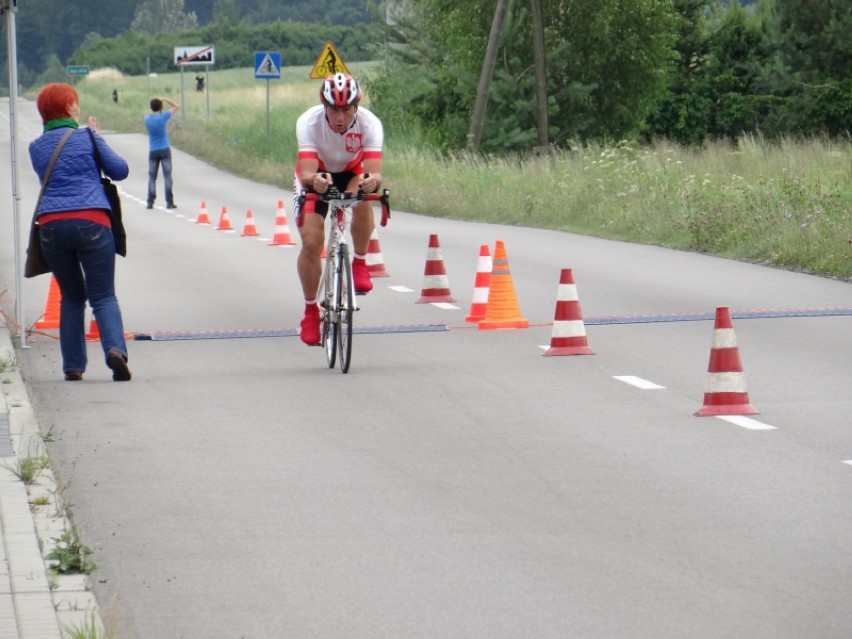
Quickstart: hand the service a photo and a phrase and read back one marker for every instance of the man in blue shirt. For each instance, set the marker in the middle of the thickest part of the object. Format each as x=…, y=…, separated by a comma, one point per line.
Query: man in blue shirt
x=159, y=149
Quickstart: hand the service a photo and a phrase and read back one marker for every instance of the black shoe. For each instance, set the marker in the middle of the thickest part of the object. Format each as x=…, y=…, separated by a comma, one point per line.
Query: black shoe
x=118, y=363
x=171, y=206
x=150, y=205
x=73, y=376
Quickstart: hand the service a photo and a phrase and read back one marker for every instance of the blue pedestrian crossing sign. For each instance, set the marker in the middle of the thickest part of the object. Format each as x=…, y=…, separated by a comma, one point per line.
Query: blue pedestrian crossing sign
x=267, y=65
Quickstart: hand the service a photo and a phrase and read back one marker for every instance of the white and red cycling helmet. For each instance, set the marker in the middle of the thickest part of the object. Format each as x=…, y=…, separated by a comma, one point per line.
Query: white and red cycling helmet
x=340, y=90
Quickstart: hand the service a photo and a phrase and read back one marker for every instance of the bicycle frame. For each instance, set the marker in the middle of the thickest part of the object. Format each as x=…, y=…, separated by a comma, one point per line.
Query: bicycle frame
x=336, y=292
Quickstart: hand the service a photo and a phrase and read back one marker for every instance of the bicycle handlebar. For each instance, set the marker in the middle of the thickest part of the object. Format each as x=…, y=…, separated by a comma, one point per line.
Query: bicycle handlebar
x=347, y=198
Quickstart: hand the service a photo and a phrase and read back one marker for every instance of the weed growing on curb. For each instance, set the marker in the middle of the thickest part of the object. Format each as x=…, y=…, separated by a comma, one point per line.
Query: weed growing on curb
x=28, y=469
x=89, y=630
x=70, y=555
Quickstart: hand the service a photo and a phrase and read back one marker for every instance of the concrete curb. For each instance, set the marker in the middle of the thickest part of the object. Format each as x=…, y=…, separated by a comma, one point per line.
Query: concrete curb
x=34, y=604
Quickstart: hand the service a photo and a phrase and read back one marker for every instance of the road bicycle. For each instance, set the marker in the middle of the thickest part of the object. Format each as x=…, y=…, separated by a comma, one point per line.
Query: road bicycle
x=337, y=288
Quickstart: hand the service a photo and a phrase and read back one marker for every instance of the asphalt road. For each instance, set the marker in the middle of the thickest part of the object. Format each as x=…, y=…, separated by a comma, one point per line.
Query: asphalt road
x=455, y=483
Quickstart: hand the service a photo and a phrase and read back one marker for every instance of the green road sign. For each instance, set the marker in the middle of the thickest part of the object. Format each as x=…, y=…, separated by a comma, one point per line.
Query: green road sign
x=78, y=69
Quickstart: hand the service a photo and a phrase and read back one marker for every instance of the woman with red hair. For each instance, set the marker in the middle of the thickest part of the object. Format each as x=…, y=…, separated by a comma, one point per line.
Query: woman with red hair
x=75, y=229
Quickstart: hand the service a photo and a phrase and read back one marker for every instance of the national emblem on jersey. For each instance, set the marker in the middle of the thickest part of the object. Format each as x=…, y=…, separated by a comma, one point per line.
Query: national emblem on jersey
x=354, y=142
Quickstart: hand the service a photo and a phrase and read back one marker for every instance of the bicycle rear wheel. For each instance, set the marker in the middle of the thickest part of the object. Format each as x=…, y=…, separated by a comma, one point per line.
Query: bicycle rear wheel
x=326, y=296
x=346, y=308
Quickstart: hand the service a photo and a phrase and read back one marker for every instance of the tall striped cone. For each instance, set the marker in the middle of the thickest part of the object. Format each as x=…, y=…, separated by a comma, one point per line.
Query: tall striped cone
x=281, y=235
x=502, y=310
x=249, y=228
x=203, y=217
x=224, y=221
x=481, y=285
x=725, y=389
x=374, y=259
x=50, y=319
x=569, y=332
x=436, y=286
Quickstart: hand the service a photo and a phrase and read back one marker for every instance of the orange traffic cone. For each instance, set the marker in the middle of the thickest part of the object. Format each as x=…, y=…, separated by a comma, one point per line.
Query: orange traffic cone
x=502, y=310
x=375, y=261
x=224, y=221
x=436, y=286
x=50, y=319
x=481, y=285
x=94, y=332
x=203, y=217
x=725, y=389
x=249, y=227
x=569, y=332
x=281, y=235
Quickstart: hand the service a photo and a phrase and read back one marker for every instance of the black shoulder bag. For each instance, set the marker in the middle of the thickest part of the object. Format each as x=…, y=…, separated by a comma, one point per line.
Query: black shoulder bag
x=35, y=263
x=111, y=191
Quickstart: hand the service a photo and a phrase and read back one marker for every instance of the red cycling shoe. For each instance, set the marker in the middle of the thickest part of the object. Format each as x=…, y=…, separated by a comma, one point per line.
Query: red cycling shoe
x=310, y=333
x=363, y=281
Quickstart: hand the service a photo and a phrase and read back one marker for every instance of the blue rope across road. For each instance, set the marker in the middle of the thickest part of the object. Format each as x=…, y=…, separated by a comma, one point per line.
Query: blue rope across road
x=286, y=332
x=694, y=317
x=433, y=328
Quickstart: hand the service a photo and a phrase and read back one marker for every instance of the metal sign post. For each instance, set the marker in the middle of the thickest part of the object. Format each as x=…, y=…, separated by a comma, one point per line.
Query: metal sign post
x=193, y=56
x=267, y=66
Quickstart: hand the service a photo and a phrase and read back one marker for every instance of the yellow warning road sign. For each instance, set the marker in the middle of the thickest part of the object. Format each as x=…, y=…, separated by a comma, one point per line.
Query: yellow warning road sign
x=328, y=63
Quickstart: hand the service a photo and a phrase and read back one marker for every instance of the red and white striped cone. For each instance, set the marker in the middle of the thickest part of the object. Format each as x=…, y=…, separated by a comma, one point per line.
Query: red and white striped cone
x=374, y=259
x=569, y=331
x=281, y=235
x=436, y=286
x=249, y=228
x=481, y=285
x=224, y=221
x=725, y=389
x=203, y=216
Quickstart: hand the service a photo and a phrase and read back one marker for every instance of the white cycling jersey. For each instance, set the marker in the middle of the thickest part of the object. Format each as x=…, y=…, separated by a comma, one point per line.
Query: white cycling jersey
x=339, y=152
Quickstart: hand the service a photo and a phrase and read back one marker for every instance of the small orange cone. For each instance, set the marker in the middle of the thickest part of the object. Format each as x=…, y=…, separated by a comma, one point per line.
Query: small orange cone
x=281, y=235
x=50, y=319
x=203, y=217
x=725, y=389
x=249, y=228
x=224, y=221
x=502, y=310
x=375, y=261
x=436, y=286
x=569, y=332
x=481, y=285
x=94, y=333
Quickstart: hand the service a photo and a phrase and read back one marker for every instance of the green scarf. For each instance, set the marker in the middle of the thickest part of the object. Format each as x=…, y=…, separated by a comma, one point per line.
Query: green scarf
x=59, y=122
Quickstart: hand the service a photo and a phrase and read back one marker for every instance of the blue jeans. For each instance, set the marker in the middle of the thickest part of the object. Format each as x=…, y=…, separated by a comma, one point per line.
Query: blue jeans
x=81, y=256
x=155, y=160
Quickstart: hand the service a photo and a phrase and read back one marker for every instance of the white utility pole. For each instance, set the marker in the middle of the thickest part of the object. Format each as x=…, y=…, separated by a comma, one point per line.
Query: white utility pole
x=8, y=7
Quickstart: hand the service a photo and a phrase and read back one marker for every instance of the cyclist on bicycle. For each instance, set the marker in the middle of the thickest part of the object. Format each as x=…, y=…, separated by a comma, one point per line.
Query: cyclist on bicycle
x=340, y=144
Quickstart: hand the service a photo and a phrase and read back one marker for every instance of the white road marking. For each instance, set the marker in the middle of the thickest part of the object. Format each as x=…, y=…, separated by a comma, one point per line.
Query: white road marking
x=401, y=289
x=638, y=382
x=847, y=461
x=444, y=305
x=746, y=422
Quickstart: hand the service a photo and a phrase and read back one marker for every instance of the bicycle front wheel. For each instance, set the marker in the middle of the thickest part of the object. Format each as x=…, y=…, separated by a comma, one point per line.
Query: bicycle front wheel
x=346, y=308
x=329, y=312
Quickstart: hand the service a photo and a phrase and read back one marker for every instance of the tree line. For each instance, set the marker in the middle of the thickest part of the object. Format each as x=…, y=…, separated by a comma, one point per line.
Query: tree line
x=685, y=70
x=54, y=33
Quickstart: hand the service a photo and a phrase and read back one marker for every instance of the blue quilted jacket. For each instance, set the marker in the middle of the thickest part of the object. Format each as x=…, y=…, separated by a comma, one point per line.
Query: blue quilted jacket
x=75, y=182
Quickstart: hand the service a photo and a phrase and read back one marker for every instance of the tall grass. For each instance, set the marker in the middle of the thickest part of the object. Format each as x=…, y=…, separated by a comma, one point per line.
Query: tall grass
x=786, y=204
